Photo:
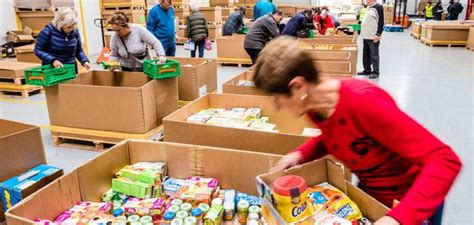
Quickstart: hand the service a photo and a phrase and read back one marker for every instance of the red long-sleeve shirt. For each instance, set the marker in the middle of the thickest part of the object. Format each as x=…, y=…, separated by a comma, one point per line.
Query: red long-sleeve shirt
x=393, y=155
x=324, y=24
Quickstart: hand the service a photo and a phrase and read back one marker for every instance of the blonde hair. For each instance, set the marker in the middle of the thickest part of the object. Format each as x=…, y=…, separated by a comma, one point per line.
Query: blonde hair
x=64, y=17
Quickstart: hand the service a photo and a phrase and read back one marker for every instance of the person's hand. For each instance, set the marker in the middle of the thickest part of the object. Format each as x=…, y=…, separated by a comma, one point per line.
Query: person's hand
x=376, y=39
x=386, y=220
x=288, y=161
x=162, y=59
x=57, y=64
x=176, y=37
x=87, y=65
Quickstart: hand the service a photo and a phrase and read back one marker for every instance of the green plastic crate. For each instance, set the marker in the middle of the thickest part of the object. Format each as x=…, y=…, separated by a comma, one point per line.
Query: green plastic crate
x=355, y=27
x=311, y=34
x=155, y=70
x=244, y=30
x=47, y=75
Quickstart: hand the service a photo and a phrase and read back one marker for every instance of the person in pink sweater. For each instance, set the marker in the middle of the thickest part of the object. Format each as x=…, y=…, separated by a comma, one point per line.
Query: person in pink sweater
x=394, y=157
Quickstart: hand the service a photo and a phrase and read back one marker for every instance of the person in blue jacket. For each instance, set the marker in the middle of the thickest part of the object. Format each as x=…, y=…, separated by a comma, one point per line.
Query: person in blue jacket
x=161, y=24
x=262, y=8
x=298, y=22
x=60, y=42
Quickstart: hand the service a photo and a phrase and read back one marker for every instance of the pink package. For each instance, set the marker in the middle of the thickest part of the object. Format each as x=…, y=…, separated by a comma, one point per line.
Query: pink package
x=200, y=181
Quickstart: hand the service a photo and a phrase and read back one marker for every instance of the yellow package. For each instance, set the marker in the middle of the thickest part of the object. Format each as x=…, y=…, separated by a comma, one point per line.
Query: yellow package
x=325, y=197
x=292, y=211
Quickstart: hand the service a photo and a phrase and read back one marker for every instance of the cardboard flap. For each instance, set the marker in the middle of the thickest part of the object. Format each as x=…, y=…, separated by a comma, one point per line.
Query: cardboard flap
x=336, y=175
x=371, y=208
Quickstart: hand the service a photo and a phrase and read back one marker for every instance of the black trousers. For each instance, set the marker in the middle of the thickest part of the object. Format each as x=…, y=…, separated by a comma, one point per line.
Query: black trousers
x=371, y=58
x=253, y=53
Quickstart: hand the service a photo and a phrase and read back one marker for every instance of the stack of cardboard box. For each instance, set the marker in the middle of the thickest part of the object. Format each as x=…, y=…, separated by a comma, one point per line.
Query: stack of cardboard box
x=445, y=32
x=134, y=9
x=34, y=14
x=388, y=12
x=214, y=19
x=223, y=3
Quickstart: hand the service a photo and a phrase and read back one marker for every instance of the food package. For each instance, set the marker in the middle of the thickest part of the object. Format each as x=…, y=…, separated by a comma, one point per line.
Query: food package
x=254, y=112
x=325, y=197
x=258, y=125
x=324, y=218
x=214, y=216
x=147, y=207
x=132, y=188
x=145, y=172
x=219, y=121
x=172, y=185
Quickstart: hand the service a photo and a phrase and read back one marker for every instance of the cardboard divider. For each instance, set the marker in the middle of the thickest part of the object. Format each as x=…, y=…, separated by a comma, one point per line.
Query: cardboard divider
x=290, y=128
x=94, y=178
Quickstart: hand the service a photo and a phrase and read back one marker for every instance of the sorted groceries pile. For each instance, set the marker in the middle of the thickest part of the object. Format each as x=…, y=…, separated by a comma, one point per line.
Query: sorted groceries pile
x=322, y=204
x=244, y=118
x=143, y=194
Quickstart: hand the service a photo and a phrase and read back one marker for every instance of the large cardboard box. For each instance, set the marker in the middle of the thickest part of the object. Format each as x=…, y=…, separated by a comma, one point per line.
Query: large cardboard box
x=326, y=39
x=470, y=41
x=37, y=20
x=235, y=85
x=288, y=10
x=176, y=129
x=442, y=31
x=122, y=2
x=14, y=69
x=89, y=181
x=231, y=48
x=215, y=31
x=136, y=15
x=227, y=11
x=328, y=55
x=123, y=102
x=222, y=3
x=317, y=172
x=198, y=77
x=27, y=54
x=24, y=36
x=21, y=148
x=212, y=14
x=182, y=13
x=33, y=4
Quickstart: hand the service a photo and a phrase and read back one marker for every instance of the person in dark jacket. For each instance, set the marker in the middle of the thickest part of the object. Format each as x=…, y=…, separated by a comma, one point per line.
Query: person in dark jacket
x=60, y=42
x=235, y=22
x=261, y=32
x=262, y=8
x=438, y=11
x=454, y=9
x=197, y=31
x=300, y=21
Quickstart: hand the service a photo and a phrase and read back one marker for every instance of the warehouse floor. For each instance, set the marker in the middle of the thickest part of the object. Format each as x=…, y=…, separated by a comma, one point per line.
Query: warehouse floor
x=434, y=85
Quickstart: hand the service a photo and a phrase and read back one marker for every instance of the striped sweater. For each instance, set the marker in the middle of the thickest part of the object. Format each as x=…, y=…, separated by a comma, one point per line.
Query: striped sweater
x=53, y=44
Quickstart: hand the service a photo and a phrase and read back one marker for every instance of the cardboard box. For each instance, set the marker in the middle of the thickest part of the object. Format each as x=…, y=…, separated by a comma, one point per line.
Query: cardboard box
x=198, y=77
x=62, y=3
x=123, y=2
x=182, y=13
x=19, y=187
x=123, y=102
x=136, y=15
x=344, y=54
x=317, y=172
x=290, y=128
x=326, y=39
x=249, y=13
x=89, y=181
x=27, y=54
x=470, y=41
x=37, y=20
x=215, y=31
x=227, y=11
x=441, y=31
x=14, y=69
x=24, y=36
x=232, y=86
x=212, y=14
x=231, y=48
x=21, y=147
x=214, y=3
x=32, y=4
x=287, y=9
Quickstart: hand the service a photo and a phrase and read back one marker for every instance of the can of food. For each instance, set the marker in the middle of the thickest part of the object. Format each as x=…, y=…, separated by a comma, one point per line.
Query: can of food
x=174, y=209
x=177, y=202
x=177, y=222
x=133, y=218
x=254, y=209
x=243, y=210
x=146, y=219
x=229, y=210
x=182, y=215
x=186, y=207
x=190, y=221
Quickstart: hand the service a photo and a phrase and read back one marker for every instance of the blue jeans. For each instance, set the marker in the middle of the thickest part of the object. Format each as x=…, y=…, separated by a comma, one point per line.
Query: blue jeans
x=200, y=45
x=170, y=50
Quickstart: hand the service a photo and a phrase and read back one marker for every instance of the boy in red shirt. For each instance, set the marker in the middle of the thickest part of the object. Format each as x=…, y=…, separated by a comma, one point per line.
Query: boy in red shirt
x=394, y=157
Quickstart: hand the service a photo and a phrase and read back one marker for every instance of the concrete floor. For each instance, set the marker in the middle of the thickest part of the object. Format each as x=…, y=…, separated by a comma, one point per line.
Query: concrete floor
x=434, y=85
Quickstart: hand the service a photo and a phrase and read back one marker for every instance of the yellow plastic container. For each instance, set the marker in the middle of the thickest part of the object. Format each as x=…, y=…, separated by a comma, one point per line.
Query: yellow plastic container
x=291, y=194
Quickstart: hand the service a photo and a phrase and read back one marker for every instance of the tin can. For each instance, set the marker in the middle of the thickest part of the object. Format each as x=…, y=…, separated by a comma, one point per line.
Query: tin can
x=133, y=218
x=229, y=210
x=243, y=210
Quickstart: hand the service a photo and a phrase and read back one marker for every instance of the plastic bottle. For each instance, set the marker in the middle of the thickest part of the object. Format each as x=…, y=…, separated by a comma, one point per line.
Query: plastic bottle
x=243, y=210
x=177, y=202
x=177, y=222
x=190, y=221
x=254, y=209
x=204, y=208
x=168, y=217
x=175, y=209
x=253, y=216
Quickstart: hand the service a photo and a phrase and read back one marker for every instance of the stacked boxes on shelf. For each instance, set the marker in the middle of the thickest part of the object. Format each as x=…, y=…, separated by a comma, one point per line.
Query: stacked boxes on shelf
x=134, y=9
x=214, y=19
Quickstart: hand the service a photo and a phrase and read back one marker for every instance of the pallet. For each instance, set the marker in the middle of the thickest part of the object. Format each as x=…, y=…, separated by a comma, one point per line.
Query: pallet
x=214, y=23
x=21, y=91
x=123, y=7
x=181, y=6
x=415, y=35
x=96, y=140
x=470, y=48
x=442, y=43
x=13, y=80
x=239, y=62
x=23, y=9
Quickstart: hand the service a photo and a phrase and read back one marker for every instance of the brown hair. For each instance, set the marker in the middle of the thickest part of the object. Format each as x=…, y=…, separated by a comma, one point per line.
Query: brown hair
x=119, y=18
x=280, y=62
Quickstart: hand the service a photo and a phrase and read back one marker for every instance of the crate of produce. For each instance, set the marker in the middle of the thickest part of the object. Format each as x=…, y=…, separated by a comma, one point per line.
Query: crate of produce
x=48, y=75
x=155, y=70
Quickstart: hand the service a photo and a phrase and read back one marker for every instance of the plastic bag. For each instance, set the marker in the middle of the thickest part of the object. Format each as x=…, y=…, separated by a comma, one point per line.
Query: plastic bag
x=189, y=45
x=208, y=45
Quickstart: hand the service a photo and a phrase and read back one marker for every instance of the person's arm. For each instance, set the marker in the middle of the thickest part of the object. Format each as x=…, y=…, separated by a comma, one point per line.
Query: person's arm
x=305, y=24
x=272, y=28
x=311, y=150
x=114, y=48
x=150, y=39
x=378, y=116
x=80, y=54
x=42, y=46
x=207, y=27
x=240, y=20
x=152, y=21
x=380, y=19
x=187, y=32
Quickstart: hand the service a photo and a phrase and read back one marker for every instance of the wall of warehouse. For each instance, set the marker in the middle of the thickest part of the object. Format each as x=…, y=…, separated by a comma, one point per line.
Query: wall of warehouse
x=7, y=20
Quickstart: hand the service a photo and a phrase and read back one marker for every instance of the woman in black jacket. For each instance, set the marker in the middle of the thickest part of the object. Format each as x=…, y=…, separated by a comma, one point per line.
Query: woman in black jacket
x=438, y=11
x=197, y=31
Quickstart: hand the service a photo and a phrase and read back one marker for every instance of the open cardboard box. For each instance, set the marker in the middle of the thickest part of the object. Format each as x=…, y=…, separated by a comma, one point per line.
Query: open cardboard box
x=329, y=39
x=470, y=41
x=27, y=54
x=288, y=10
x=17, y=36
x=317, y=172
x=198, y=77
x=232, y=86
x=89, y=181
x=176, y=129
x=21, y=148
x=231, y=49
x=14, y=69
x=123, y=102
x=337, y=52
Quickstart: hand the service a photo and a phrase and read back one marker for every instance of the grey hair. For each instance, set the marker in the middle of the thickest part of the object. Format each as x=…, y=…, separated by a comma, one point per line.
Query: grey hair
x=195, y=8
x=64, y=17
